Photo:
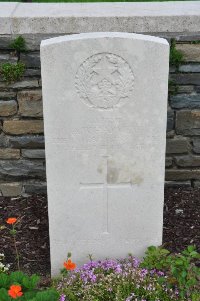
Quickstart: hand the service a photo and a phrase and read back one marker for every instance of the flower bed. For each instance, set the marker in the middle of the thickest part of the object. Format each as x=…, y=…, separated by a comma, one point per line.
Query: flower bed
x=159, y=276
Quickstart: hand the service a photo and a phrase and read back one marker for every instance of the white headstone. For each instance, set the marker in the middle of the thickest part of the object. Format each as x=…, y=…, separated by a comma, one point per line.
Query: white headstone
x=105, y=104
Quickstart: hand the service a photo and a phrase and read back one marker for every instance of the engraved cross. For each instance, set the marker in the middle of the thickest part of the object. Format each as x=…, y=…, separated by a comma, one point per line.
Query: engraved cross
x=106, y=187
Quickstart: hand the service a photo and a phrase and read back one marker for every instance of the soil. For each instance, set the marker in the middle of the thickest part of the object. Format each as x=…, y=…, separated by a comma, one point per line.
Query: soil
x=181, y=227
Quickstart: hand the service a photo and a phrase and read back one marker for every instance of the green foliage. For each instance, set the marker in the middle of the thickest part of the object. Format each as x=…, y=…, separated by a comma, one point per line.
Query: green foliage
x=172, y=87
x=195, y=42
x=180, y=268
x=19, y=44
x=155, y=258
x=12, y=72
x=29, y=285
x=176, y=56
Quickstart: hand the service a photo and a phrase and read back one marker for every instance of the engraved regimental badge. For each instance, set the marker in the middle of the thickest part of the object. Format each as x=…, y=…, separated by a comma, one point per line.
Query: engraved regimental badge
x=104, y=80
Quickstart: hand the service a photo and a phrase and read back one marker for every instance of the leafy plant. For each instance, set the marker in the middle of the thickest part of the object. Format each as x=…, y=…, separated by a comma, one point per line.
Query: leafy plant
x=176, y=56
x=19, y=44
x=12, y=72
x=195, y=42
x=180, y=268
x=19, y=286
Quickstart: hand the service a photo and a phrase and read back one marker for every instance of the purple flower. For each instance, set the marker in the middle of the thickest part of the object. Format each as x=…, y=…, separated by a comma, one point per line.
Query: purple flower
x=160, y=273
x=62, y=297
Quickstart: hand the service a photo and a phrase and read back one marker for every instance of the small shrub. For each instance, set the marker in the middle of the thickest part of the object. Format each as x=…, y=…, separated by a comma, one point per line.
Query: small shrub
x=176, y=56
x=19, y=286
x=195, y=42
x=180, y=269
x=19, y=44
x=12, y=72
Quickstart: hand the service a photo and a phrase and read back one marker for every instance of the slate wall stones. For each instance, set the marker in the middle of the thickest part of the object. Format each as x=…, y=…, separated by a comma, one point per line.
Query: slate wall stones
x=22, y=101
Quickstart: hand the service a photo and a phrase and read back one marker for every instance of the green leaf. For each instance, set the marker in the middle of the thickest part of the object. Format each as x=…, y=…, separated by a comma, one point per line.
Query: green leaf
x=13, y=232
x=19, y=44
x=184, y=274
x=4, y=280
x=30, y=282
x=17, y=277
x=179, y=262
x=4, y=295
x=29, y=295
x=151, y=248
x=50, y=295
x=191, y=248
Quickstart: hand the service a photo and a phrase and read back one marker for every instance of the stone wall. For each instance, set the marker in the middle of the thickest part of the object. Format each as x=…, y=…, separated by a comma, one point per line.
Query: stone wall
x=183, y=128
x=22, y=155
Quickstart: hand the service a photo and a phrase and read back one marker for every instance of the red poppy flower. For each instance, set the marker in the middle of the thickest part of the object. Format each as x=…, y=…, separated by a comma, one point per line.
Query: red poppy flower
x=69, y=265
x=11, y=220
x=15, y=291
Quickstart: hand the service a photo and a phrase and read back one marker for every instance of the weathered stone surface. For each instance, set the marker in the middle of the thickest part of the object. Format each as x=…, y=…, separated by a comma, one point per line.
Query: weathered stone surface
x=188, y=122
x=29, y=142
x=5, y=41
x=7, y=95
x=8, y=108
x=176, y=184
x=29, y=83
x=182, y=174
x=9, y=153
x=10, y=189
x=187, y=37
x=168, y=161
x=32, y=73
x=193, y=68
x=7, y=58
x=97, y=136
x=172, y=69
x=197, y=89
x=185, y=79
x=154, y=17
x=3, y=140
x=170, y=134
x=31, y=59
x=191, y=52
x=36, y=187
x=170, y=120
x=21, y=169
x=185, y=101
x=177, y=146
x=188, y=161
x=19, y=127
x=33, y=153
x=186, y=89
x=30, y=103
x=196, y=184
x=196, y=145
x=6, y=10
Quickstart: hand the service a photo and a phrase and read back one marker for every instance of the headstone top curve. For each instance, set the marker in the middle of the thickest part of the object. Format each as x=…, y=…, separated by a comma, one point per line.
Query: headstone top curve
x=99, y=35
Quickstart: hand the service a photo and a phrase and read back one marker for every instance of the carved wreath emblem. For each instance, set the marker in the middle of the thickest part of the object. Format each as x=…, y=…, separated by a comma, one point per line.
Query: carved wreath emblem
x=104, y=81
